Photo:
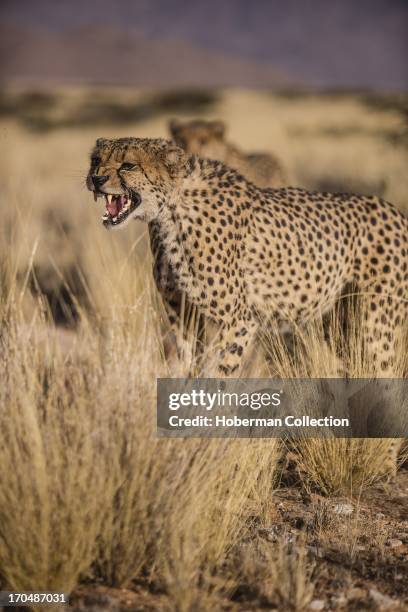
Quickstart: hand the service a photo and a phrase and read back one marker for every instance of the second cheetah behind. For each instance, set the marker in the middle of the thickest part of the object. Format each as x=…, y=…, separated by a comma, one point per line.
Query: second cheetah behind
x=207, y=139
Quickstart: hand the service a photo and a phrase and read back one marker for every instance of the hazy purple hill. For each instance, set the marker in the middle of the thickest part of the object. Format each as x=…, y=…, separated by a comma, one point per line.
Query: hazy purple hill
x=352, y=43
x=111, y=56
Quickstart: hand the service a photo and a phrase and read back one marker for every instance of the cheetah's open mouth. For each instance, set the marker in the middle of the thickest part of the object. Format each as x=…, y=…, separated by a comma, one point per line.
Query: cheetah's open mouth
x=119, y=207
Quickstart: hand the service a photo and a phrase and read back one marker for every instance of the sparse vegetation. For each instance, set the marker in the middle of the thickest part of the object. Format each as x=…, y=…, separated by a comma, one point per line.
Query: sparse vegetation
x=89, y=494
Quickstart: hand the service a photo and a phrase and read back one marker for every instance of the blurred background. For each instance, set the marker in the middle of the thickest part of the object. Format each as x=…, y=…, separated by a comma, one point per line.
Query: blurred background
x=158, y=43
x=322, y=85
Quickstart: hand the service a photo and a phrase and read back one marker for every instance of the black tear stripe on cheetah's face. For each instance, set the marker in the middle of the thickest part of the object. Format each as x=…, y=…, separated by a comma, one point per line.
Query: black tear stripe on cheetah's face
x=238, y=251
x=131, y=179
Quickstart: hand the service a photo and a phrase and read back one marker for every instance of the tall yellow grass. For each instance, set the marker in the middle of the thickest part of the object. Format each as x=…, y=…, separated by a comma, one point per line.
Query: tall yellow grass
x=88, y=491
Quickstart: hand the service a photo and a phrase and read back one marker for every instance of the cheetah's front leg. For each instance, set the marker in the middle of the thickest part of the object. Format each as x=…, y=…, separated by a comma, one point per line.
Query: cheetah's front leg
x=183, y=329
x=236, y=336
x=381, y=327
x=176, y=328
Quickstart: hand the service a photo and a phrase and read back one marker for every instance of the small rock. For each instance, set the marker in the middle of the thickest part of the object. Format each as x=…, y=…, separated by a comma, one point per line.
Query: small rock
x=394, y=543
x=317, y=604
x=345, y=509
x=383, y=602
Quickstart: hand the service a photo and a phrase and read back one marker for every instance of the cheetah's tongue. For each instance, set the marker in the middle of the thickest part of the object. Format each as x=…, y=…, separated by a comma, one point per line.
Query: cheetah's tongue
x=114, y=204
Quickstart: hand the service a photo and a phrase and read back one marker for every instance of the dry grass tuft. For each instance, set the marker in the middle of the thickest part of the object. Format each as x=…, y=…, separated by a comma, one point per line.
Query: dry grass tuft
x=341, y=466
x=328, y=349
x=278, y=574
x=83, y=465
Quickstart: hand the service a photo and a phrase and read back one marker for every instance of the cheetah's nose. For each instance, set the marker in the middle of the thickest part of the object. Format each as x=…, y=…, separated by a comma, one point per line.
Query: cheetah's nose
x=98, y=181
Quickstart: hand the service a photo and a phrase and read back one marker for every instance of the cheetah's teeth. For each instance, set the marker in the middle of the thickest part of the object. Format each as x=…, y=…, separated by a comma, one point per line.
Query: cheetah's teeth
x=118, y=208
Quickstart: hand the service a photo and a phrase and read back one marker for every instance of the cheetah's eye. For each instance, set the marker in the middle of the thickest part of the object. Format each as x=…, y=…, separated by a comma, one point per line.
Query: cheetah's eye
x=127, y=167
x=95, y=161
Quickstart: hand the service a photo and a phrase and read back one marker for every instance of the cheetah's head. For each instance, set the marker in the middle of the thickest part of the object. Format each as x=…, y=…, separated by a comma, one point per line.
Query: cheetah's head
x=134, y=177
x=199, y=137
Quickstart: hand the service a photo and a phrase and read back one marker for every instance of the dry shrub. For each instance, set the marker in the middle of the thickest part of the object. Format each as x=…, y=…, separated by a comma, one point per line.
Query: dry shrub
x=180, y=506
x=278, y=574
x=210, y=513
x=331, y=348
x=348, y=534
x=341, y=466
x=88, y=488
x=56, y=482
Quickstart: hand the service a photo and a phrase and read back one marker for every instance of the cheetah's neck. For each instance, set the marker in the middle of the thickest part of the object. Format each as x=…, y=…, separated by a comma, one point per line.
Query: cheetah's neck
x=172, y=226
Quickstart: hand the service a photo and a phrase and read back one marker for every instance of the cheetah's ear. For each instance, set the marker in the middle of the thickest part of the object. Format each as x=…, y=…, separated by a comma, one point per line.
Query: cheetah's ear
x=218, y=128
x=175, y=160
x=174, y=127
x=101, y=142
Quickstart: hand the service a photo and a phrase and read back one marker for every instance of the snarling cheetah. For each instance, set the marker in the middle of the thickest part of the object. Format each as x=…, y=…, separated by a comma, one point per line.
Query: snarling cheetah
x=241, y=253
x=207, y=140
